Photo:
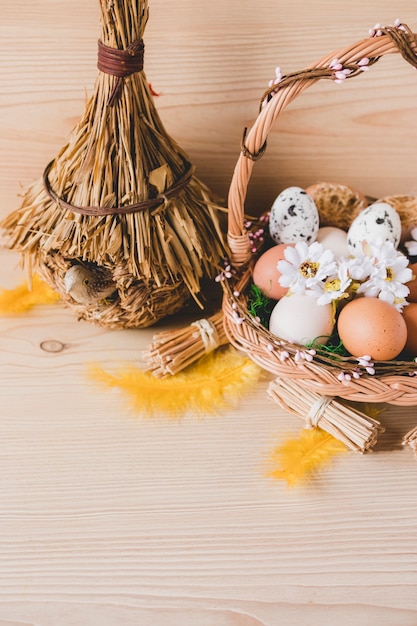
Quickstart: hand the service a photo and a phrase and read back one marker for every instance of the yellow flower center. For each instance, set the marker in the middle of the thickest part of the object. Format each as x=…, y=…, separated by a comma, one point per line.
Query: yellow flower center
x=308, y=269
x=390, y=274
x=332, y=285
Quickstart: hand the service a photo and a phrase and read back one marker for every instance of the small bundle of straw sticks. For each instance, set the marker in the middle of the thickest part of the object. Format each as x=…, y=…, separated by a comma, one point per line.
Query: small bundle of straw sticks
x=355, y=429
x=410, y=439
x=172, y=351
x=121, y=198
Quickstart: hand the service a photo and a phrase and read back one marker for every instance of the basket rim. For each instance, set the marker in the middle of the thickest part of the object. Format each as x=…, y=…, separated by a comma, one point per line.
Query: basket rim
x=289, y=361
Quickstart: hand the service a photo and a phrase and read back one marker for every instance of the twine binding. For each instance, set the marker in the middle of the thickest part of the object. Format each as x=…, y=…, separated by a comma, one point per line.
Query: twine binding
x=208, y=334
x=145, y=205
x=120, y=63
x=317, y=411
x=254, y=156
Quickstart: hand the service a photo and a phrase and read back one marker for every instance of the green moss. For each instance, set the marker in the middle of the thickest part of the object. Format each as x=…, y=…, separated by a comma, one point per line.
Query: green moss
x=259, y=305
x=332, y=348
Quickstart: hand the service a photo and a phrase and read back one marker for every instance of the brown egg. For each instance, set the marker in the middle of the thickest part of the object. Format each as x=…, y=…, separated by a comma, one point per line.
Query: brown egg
x=412, y=285
x=372, y=326
x=410, y=317
x=265, y=273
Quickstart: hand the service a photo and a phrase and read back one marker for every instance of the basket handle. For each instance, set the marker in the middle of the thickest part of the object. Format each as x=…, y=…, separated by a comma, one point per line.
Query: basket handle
x=386, y=40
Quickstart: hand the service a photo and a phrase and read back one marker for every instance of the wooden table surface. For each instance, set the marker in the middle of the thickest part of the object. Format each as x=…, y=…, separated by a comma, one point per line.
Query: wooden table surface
x=110, y=518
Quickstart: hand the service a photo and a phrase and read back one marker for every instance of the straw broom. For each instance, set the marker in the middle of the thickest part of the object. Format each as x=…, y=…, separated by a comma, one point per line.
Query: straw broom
x=120, y=199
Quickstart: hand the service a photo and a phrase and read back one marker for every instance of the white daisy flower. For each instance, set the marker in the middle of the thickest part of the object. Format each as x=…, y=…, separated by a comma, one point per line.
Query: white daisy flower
x=335, y=287
x=305, y=266
x=360, y=267
x=389, y=273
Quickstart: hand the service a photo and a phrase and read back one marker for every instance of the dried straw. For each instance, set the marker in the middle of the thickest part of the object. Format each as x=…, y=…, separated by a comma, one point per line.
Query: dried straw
x=337, y=203
x=410, y=439
x=84, y=208
x=354, y=428
x=172, y=351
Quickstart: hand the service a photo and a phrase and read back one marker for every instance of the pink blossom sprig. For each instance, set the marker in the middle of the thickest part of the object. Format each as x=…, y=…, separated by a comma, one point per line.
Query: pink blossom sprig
x=257, y=237
x=237, y=317
x=346, y=377
x=273, y=82
x=377, y=30
x=227, y=273
x=365, y=364
x=363, y=64
x=341, y=72
x=304, y=355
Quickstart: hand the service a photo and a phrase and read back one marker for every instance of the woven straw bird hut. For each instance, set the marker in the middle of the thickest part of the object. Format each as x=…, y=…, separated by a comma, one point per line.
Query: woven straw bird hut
x=121, y=198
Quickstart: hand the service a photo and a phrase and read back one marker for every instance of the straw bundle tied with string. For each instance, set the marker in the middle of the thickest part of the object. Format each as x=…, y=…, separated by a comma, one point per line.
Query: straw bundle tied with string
x=118, y=224
x=354, y=428
x=172, y=351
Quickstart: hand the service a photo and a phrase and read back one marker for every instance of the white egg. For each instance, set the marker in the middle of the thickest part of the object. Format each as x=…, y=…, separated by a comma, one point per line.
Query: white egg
x=299, y=319
x=378, y=221
x=334, y=239
x=294, y=217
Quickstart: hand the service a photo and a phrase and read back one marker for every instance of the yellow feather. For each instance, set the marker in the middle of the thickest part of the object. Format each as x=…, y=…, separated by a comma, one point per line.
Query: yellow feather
x=371, y=409
x=214, y=383
x=24, y=297
x=298, y=458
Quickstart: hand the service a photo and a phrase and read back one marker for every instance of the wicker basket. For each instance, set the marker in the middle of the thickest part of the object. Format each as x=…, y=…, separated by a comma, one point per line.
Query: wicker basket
x=394, y=381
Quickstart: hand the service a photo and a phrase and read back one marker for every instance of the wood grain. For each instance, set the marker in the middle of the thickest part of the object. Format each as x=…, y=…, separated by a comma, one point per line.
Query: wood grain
x=110, y=518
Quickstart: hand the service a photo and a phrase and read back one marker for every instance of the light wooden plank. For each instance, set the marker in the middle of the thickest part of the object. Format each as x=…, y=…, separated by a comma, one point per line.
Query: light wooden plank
x=110, y=518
